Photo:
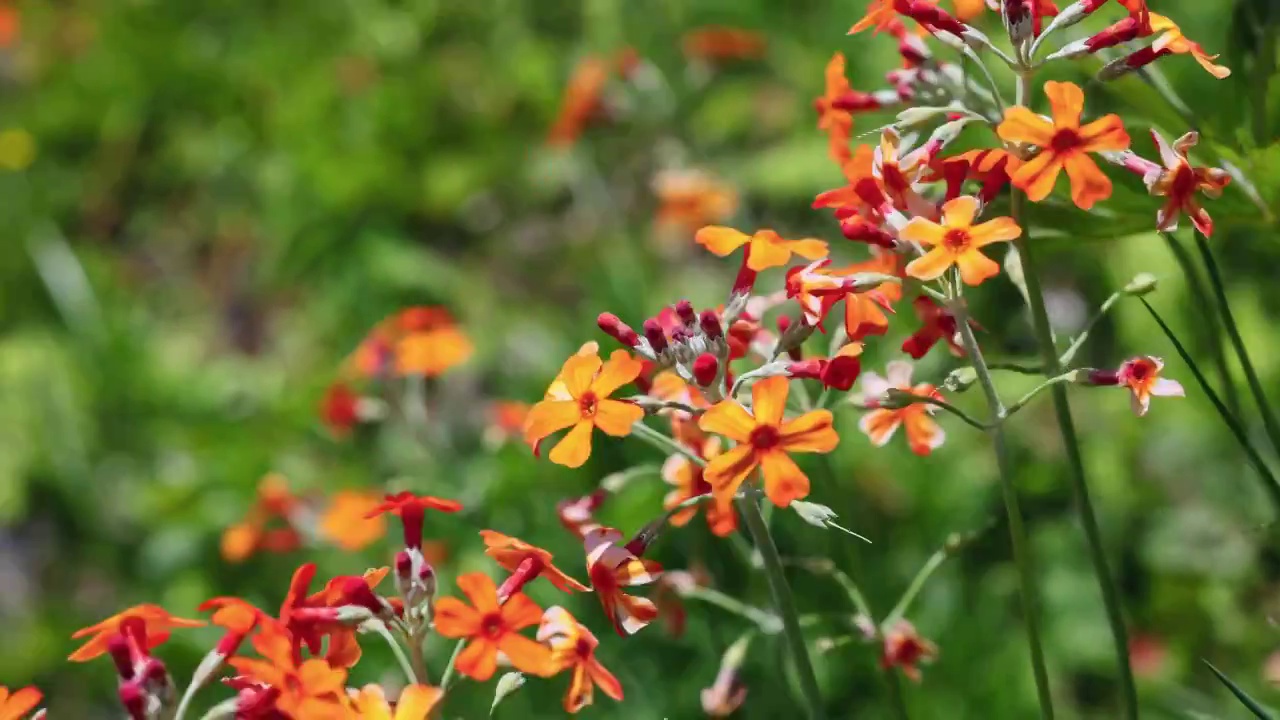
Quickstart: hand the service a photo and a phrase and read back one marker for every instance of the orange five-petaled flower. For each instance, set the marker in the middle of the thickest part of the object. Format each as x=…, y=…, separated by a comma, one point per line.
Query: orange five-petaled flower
x=14, y=705
x=573, y=647
x=157, y=620
x=611, y=567
x=491, y=628
x=310, y=688
x=511, y=553
x=1063, y=143
x=1179, y=182
x=584, y=404
x=957, y=241
x=764, y=439
x=415, y=703
x=765, y=249
x=923, y=433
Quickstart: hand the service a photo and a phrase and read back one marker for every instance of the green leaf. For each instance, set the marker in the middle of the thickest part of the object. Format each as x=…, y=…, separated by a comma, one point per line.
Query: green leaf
x=1241, y=695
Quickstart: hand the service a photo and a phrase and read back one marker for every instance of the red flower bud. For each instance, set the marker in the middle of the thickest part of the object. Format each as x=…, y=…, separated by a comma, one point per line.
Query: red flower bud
x=134, y=700
x=684, y=310
x=357, y=592
x=1104, y=377
x=710, y=323
x=618, y=330
x=841, y=372
x=121, y=651
x=653, y=333
x=858, y=229
x=856, y=101
x=746, y=280
x=811, y=369
x=705, y=369
x=935, y=18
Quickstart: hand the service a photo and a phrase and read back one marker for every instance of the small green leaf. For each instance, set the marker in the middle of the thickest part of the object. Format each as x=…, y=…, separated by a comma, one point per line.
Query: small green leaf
x=1241, y=695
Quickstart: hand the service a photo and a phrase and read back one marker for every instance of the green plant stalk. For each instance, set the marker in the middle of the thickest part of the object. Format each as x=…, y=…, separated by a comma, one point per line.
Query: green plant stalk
x=1212, y=325
x=447, y=677
x=784, y=604
x=1022, y=401
x=766, y=622
x=381, y=629
x=1066, y=425
x=1240, y=695
x=899, y=610
x=1017, y=531
x=1269, y=421
x=1237, y=430
x=1065, y=359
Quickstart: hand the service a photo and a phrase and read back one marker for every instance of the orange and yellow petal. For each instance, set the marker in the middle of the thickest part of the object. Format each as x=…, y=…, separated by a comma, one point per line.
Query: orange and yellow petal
x=455, y=619
x=729, y=419
x=615, y=417
x=1067, y=101
x=417, y=701
x=1088, y=183
x=811, y=432
x=767, y=251
x=575, y=447
x=1037, y=176
x=976, y=267
x=519, y=611
x=608, y=684
x=879, y=425
x=960, y=212
x=549, y=416
x=526, y=654
x=1023, y=126
x=783, y=479
x=13, y=707
x=931, y=265
x=721, y=240
x=578, y=373
x=923, y=231
x=1105, y=133
x=726, y=472
x=999, y=229
x=478, y=660
x=808, y=248
x=923, y=433
x=618, y=371
x=769, y=400
x=480, y=590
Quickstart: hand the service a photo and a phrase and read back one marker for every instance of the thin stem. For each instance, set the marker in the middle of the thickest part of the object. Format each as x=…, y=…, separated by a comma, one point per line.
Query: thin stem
x=899, y=610
x=1065, y=377
x=1212, y=326
x=970, y=420
x=1269, y=421
x=447, y=677
x=1065, y=359
x=1017, y=531
x=1269, y=480
x=185, y=702
x=417, y=658
x=783, y=604
x=1075, y=463
x=768, y=623
x=824, y=566
x=664, y=443
x=1016, y=368
x=378, y=627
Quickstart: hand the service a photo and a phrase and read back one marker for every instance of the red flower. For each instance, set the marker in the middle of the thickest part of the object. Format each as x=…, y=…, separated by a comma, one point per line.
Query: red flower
x=904, y=648
x=412, y=510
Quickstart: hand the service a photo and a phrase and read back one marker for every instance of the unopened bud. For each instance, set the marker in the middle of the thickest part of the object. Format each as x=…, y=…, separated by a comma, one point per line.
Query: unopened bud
x=1018, y=22
x=1093, y=376
x=404, y=573
x=353, y=614
x=122, y=655
x=684, y=310
x=134, y=700
x=710, y=323
x=860, y=230
x=917, y=115
x=507, y=684
x=810, y=369
x=746, y=279
x=935, y=18
x=613, y=326
x=1141, y=284
x=792, y=335
x=705, y=369
x=654, y=334
x=813, y=513
x=960, y=379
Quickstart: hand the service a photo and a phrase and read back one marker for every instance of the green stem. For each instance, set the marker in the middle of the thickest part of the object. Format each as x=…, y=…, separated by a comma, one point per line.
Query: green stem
x=1022, y=401
x=664, y=443
x=1017, y=531
x=447, y=677
x=970, y=420
x=1075, y=463
x=1212, y=326
x=768, y=623
x=1065, y=359
x=824, y=566
x=417, y=658
x=1016, y=368
x=899, y=611
x=783, y=604
x=396, y=650
x=1269, y=480
x=1237, y=343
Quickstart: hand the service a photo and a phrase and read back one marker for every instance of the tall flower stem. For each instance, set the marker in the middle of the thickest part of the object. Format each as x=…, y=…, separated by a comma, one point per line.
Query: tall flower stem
x=1022, y=557
x=784, y=604
x=1269, y=421
x=1071, y=443
x=1212, y=326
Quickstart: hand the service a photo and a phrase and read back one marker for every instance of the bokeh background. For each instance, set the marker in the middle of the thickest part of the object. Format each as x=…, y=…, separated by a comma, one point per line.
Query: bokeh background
x=207, y=205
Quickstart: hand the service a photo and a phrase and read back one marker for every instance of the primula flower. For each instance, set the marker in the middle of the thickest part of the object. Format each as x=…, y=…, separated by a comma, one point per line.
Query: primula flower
x=242, y=539
x=765, y=248
x=611, y=567
x=573, y=647
x=881, y=14
x=234, y=615
x=1179, y=181
x=415, y=341
x=491, y=628
x=957, y=241
x=690, y=199
x=13, y=706
x=517, y=557
x=303, y=689
x=310, y=618
x=157, y=620
x=1173, y=41
x=764, y=441
x=835, y=122
x=347, y=522
x=586, y=405
x=864, y=313
x=716, y=43
x=582, y=100
x=415, y=703
x=991, y=167
x=506, y=420
x=923, y=433
x=412, y=511
x=1142, y=376
x=936, y=323
x=905, y=649
x=576, y=514
x=687, y=481
x=1063, y=143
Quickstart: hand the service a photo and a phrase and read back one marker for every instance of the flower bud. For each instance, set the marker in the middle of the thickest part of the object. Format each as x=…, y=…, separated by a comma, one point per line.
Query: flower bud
x=121, y=651
x=791, y=336
x=355, y=591
x=917, y=115
x=810, y=369
x=1141, y=284
x=134, y=699
x=960, y=379
x=404, y=573
x=746, y=279
x=654, y=334
x=934, y=17
x=1093, y=376
x=705, y=369
x=858, y=229
x=710, y=323
x=842, y=371
x=613, y=326
x=1017, y=21
x=684, y=310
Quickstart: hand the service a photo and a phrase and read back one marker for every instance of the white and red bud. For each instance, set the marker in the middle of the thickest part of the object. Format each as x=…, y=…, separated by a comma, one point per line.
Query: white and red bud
x=654, y=334
x=709, y=321
x=705, y=369
x=810, y=369
x=858, y=229
x=134, y=699
x=684, y=311
x=1130, y=63
x=1018, y=21
x=613, y=326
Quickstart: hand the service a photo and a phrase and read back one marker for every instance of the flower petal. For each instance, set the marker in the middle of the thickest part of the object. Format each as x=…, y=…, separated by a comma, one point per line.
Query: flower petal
x=520, y=612
x=417, y=701
x=549, y=416
x=727, y=471
x=620, y=370
x=783, y=479
x=960, y=212
x=478, y=660
x=615, y=417
x=605, y=679
x=575, y=447
x=976, y=267
x=923, y=433
x=811, y=432
x=729, y=419
x=1105, y=133
x=767, y=250
x=879, y=425
x=1166, y=387
x=1088, y=183
x=721, y=240
x=769, y=400
x=1022, y=125
x=996, y=230
x=809, y=248
x=1067, y=101
x=526, y=654
x=931, y=265
x=480, y=590
x=1037, y=176
x=923, y=231
x=578, y=372
x=579, y=694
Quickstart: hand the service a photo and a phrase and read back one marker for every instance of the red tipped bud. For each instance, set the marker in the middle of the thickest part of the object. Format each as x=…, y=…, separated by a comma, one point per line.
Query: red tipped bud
x=653, y=333
x=618, y=330
x=710, y=322
x=684, y=310
x=856, y=101
x=357, y=592
x=935, y=18
x=1103, y=377
x=746, y=280
x=859, y=230
x=121, y=651
x=705, y=369
x=811, y=369
x=134, y=700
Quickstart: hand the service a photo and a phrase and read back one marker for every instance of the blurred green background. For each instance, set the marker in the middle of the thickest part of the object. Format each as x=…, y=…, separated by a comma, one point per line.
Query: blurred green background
x=225, y=197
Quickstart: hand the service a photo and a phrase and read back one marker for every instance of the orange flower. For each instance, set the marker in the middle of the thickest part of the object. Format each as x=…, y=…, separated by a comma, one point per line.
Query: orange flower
x=764, y=439
x=309, y=619
x=956, y=241
x=573, y=647
x=904, y=648
x=511, y=553
x=1063, y=143
x=416, y=703
x=506, y=420
x=1142, y=376
x=587, y=385
x=1174, y=41
x=765, y=249
x=346, y=522
x=432, y=351
x=158, y=624
x=937, y=323
x=234, y=615
x=309, y=689
x=14, y=705
x=241, y=540
x=582, y=100
x=611, y=567
x=881, y=14
x=967, y=10
x=688, y=482
x=836, y=123
x=689, y=199
x=1179, y=182
x=923, y=434
x=412, y=511
x=990, y=167
x=491, y=628
x=864, y=313
x=415, y=341
x=723, y=43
